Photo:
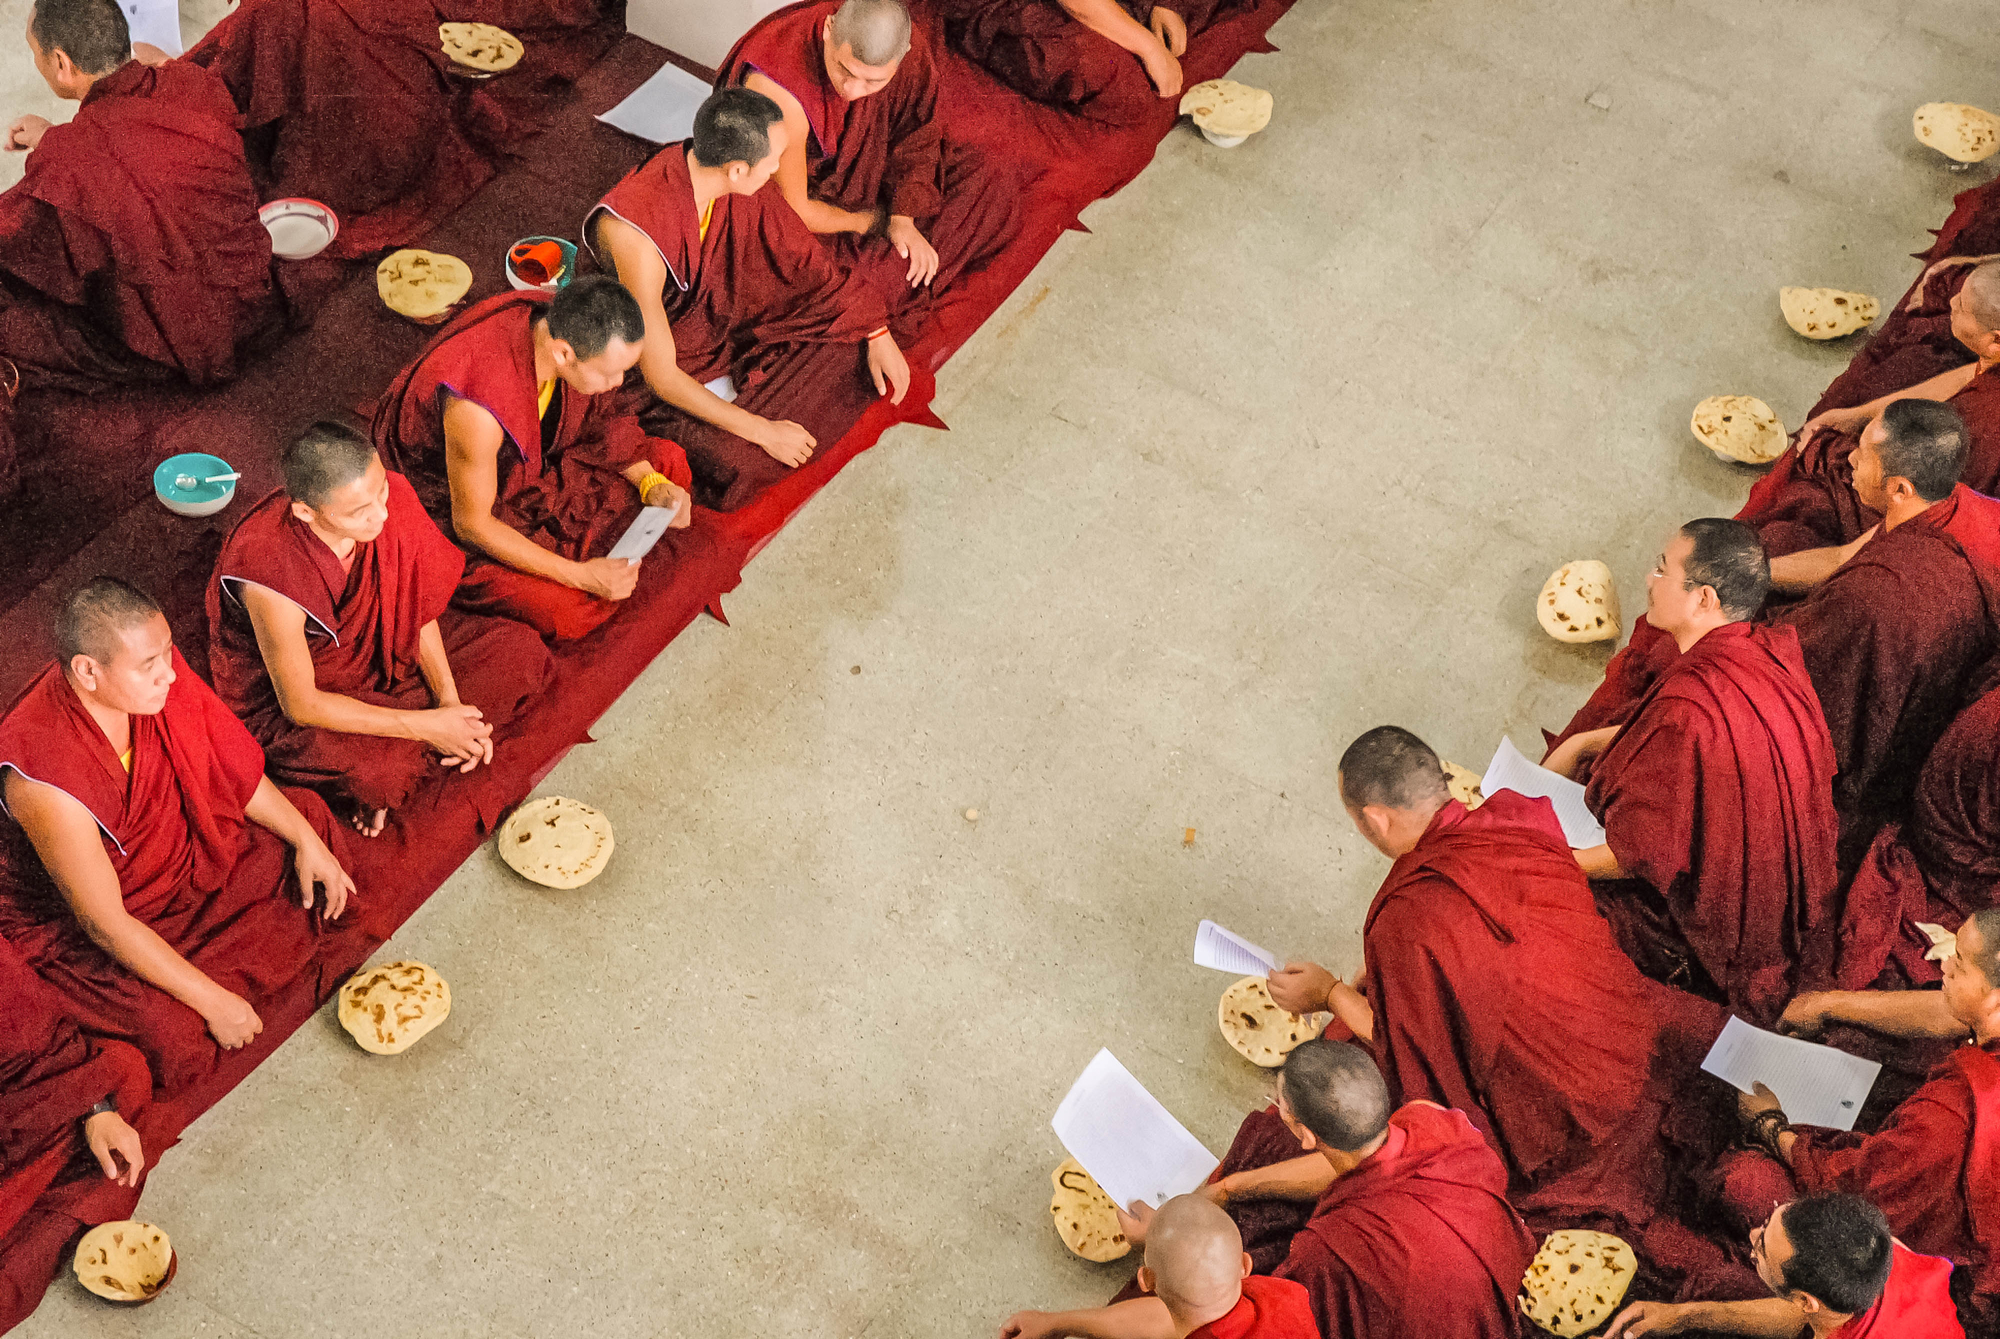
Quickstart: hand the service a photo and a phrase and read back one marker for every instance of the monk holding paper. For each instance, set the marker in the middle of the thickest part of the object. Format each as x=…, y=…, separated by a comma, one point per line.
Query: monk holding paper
x=739, y=298
x=130, y=249
x=330, y=636
x=507, y=427
x=181, y=885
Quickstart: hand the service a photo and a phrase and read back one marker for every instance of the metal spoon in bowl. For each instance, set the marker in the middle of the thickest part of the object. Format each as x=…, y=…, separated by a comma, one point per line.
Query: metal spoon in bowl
x=186, y=481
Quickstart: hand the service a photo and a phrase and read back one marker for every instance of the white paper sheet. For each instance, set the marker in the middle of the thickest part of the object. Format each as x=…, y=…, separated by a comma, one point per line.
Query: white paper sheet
x=1509, y=770
x=646, y=530
x=661, y=109
x=722, y=388
x=1816, y=1085
x=154, y=21
x=1225, y=952
x=1127, y=1141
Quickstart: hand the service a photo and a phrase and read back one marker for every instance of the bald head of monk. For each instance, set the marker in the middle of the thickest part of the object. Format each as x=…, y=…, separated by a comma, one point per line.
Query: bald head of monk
x=593, y=333
x=1332, y=1098
x=1909, y=457
x=1195, y=1261
x=1972, y=974
x=1975, y=312
x=741, y=134
x=76, y=42
x=337, y=485
x=865, y=42
x=116, y=648
x=1393, y=785
x=1712, y=571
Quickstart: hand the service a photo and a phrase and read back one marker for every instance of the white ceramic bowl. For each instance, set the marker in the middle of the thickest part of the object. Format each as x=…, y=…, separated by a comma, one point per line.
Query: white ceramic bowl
x=1223, y=141
x=300, y=229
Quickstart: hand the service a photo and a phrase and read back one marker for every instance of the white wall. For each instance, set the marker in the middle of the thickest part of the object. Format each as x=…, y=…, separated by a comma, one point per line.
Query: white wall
x=702, y=30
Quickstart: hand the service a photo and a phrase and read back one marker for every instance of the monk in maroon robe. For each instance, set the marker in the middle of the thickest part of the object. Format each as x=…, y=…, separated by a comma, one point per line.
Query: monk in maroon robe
x=331, y=640
x=865, y=163
x=1716, y=796
x=1833, y=1271
x=1809, y=500
x=130, y=250
x=180, y=884
x=1482, y=948
x=756, y=339
x=1112, y=62
x=506, y=425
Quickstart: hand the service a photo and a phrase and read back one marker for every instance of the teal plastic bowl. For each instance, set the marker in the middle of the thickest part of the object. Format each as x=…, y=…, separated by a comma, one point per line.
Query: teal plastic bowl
x=202, y=499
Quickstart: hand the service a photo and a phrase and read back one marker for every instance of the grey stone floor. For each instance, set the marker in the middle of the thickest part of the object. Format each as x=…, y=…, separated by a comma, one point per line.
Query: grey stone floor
x=1283, y=450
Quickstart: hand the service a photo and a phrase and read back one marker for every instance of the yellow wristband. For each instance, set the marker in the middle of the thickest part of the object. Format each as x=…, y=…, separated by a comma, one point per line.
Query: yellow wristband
x=651, y=481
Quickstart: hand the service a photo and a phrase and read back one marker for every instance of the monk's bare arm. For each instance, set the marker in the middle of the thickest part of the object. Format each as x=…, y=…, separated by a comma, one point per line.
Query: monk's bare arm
x=1919, y=1015
x=1303, y=1178
x=1598, y=862
x=473, y=440
x=1940, y=387
x=1149, y=44
x=1140, y=1318
x=818, y=214
x=435, y=666
x=1796, y=573
x=1763, y=1318
x=66, y=838
x=313, y=862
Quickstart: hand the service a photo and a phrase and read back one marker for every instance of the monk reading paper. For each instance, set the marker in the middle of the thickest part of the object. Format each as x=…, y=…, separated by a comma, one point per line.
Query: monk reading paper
x=864, y=162
x=1834, y=1273
x=1934, y=1165
x=130, y=249
x=737, y=293
x=331, y=640
x=182, y=885
x=1483, y=950
x=506, y=426
x=1198, y=1285
x=1717, y=795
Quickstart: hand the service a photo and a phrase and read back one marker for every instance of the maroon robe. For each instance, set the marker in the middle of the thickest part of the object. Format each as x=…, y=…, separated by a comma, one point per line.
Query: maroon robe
x=1717, y=799
x=363, y=625
x=131, y=249
x=218, y=888
x=1629, y=676
x=569, y=495
x=883, y=152
x=756, y=299
x=1269, y=1309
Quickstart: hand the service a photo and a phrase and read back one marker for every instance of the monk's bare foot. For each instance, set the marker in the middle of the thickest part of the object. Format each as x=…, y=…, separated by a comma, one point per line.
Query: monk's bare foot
x=369, y=822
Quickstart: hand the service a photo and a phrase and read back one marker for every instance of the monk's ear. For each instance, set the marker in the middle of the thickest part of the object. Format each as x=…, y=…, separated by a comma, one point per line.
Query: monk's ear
x=1146, y=1280
x=563, y=352
x=84, y=670
x=302, y=511
x=1249, y=1265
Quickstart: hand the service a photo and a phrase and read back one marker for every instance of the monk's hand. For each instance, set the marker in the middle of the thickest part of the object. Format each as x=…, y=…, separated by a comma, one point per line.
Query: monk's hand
x=785, y=441
x=889, y=369
x=26, y=132
x=1807, y=1015
x=1162, y=67
x=459, y=733
x=913, y=246
x=667, y=493
x=1171, y=29
x=1030, y=1325
x=1835, y=420
x=1756, y=1102
x=1648, y=1318
x=231, y=1021
x=1302, y=987
x=1134, y=1221
x=607, y=578
x=314, y=864
x=116, y=1147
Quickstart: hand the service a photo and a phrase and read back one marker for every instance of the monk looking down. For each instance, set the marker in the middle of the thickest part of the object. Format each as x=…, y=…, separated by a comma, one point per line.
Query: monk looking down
x=507, y=428
x=1199, y=1286
x=165, y=845
x=1716, y=796
x=331, y=640
x=735, y=290
x=130, y=250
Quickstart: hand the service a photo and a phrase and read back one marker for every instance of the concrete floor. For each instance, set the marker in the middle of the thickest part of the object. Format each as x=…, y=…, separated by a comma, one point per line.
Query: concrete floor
x=1282, y=451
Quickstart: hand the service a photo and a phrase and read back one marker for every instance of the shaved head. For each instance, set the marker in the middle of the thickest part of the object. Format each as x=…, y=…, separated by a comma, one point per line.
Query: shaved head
x=324, y=457
x=1334, y=1089
x=877, y=30
x=93, y=621
x=1196, y=1255
x=1390, y=766
x=1982, y=294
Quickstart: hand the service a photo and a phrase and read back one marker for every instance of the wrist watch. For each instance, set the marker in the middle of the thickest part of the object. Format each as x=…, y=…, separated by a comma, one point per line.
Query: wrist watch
x=108, y=1105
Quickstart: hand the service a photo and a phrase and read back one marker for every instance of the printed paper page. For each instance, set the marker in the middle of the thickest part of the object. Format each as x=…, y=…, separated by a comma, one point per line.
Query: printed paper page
x=1816, y=1085
x=1509, y=770
x=1127, y=1141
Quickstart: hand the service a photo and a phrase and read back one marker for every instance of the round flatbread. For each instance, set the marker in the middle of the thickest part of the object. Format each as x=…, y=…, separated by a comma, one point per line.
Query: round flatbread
x=557, y=842
x=1579, y=603
x=1261, y=1032
x=1576, y=1281
x=126, y=1261
x=1959, y=132
x=1827, y=313
x=386, y=1008
x=1083, y=1215
x=1741, y=428
x=480, y=46
x=1226, y=108
x=422, y=285
x=1463, y=783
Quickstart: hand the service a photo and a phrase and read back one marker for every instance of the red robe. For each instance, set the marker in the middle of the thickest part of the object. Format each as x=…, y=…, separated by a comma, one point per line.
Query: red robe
x=1915, y=1303
x=1717, y=799
x=569, y=495
x=1269, y=1309
x=363, y=626
x=1483, y=947
x=131, y=250
x=885, y=151
x=1630, y=675
x=756, y=299
x=218, y=888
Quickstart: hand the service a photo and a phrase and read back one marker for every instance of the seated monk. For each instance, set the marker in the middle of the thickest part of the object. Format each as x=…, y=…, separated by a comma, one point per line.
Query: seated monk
x=1112, y=62
x=1404, y=1203
x=130, y=249
x=735, y=290
x=507, y=428
x=1482, y=948
x=1894, y=634
x=1834, y=1273
x=330, y=639
x=1716, y=796
x=864, y=161
x=167, y=851
x=1808, y=500
x=1934, y=1165
x=1197, y=1283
